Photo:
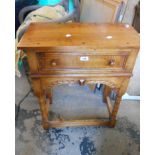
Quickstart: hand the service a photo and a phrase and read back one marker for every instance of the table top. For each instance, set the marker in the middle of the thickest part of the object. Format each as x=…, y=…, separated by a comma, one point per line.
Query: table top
x=48, y=35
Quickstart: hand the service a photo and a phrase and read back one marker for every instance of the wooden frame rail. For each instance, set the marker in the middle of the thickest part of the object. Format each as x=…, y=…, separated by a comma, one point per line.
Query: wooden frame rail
x=71, y=123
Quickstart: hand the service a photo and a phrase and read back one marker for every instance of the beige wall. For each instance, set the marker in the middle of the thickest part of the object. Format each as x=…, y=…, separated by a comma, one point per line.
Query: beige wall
x=94, y=11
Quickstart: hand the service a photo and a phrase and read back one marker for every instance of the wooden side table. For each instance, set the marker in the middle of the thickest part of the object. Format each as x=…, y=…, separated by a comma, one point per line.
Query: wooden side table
x=80, y=53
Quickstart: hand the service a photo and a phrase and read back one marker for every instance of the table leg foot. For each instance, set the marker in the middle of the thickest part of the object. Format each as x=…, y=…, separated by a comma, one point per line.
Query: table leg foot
x=113, y=123
x=45, y=125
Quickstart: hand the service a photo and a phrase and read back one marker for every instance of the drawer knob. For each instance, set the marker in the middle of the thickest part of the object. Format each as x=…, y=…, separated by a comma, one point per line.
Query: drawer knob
x=53, y=63
x=112, y=62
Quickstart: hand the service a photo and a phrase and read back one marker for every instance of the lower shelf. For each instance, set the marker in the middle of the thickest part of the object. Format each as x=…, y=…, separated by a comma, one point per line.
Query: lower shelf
x=69, y=123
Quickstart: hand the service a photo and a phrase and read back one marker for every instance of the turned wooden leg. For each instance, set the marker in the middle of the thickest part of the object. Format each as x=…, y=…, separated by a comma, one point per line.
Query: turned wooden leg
x=44, y=111
x=106, y=92
x=120, y=93
x=49, y=95
x=41, y=95
x=115, y=110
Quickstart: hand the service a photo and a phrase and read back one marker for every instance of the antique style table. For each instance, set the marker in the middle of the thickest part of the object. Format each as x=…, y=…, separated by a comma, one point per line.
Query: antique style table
x=80, y=53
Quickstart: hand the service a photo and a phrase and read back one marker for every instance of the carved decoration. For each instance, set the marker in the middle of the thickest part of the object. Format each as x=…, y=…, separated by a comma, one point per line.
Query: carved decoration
x=60, y=82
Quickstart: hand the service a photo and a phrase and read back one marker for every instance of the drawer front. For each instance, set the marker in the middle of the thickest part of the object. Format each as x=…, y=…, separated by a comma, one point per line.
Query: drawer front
x=48, y=61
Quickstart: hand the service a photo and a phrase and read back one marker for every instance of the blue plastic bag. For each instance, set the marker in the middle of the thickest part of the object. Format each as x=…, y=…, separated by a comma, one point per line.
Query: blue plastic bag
x=54, y=2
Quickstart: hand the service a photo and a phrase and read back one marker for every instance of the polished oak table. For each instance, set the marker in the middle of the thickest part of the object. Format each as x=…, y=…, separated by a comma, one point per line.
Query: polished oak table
x=80, y=53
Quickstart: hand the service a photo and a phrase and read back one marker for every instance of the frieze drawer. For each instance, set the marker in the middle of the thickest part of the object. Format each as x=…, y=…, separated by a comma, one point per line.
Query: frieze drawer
x=50, y=61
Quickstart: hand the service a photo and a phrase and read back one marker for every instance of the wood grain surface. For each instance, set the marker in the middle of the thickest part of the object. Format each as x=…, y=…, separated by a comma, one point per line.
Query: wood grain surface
x=47, y=35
